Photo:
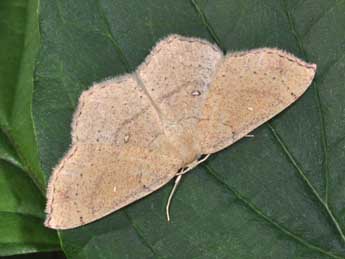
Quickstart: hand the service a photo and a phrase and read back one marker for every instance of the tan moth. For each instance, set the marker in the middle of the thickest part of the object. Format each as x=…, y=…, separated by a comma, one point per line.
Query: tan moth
x=132, y=134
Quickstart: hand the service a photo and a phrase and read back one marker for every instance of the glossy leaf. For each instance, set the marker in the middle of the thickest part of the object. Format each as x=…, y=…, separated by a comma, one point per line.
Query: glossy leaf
x=277, y=195
x=21, y=202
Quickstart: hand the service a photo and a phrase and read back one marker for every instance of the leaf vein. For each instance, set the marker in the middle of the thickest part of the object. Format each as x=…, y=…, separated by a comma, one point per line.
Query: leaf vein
x=324, y=141
x=207, y=24
x=257, y=211
x=318, y=19
x=112, y=38
x=318, y=104
x=128, y=68
x=141, y=236
x=278, y=139
x=305, y=179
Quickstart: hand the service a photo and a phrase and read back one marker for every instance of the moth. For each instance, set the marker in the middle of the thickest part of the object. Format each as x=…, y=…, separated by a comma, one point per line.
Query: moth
x=134, y=133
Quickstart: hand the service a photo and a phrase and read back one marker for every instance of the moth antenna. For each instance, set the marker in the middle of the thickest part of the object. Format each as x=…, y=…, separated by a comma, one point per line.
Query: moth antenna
x=167, y=208
x=177, y=181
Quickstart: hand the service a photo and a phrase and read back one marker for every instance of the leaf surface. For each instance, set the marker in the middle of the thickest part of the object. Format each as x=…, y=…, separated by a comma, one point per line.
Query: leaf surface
x=21, y=203
x=277, y=195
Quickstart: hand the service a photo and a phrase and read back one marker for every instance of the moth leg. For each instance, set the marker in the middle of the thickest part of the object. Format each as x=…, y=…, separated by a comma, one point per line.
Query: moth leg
x=193, y=165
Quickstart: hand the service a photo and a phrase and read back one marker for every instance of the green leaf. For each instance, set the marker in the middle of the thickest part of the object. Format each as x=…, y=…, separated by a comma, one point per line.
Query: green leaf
x=21, y=214
x=277, y=195
x=51, y=255
x=21, y=203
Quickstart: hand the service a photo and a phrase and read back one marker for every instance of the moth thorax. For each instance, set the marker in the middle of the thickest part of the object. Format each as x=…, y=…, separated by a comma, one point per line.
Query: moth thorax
x=185, y=145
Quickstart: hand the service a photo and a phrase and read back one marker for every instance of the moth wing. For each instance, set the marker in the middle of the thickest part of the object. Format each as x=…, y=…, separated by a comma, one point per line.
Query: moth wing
x=177, y=75
x=248, y=89
x=119, y=154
